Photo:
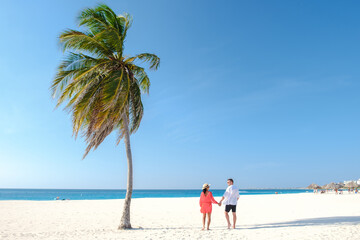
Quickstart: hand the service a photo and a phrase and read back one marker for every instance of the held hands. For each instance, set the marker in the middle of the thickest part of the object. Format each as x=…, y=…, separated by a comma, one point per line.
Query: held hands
x=219, y=203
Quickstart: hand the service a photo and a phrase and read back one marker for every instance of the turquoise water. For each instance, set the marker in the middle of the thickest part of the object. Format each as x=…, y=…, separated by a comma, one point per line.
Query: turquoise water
x=94, y=194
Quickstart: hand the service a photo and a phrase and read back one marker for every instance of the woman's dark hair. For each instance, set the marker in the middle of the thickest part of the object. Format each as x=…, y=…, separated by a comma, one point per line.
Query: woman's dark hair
x=204, y=190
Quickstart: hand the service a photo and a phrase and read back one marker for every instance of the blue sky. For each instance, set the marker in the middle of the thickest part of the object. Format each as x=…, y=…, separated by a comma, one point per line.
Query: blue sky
x=265, y=92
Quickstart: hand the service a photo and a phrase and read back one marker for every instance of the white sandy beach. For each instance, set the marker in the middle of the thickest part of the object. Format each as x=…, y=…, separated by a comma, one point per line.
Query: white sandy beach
x=285, y=216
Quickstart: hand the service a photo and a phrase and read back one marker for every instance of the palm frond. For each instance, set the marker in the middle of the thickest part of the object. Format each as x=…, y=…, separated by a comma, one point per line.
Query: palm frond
x=73, y=65
x=80, y=79
x=94, y=20
x=152, y=59
x=127, y=19
x=106, y=25
x=83, y=42
x=141, y=77
x=136, y=107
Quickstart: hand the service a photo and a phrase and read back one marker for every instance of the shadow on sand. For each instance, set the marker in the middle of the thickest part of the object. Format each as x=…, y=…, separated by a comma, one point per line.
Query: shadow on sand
x=310, y=222
x=297, y=223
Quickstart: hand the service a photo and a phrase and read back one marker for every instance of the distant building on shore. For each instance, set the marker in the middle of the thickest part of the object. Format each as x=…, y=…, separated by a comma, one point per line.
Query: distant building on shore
x=357, y=182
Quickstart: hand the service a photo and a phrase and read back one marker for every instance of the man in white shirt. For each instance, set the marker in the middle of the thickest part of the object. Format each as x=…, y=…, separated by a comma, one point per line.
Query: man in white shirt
x=231, y=197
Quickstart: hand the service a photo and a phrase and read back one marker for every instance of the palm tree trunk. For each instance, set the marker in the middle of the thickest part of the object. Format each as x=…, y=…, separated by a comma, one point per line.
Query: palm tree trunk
x=125, y=219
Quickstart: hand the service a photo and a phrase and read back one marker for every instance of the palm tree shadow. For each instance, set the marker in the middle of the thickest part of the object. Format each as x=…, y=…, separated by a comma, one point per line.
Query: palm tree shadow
x=162, y=228
x=343, y=220
x=310, y=222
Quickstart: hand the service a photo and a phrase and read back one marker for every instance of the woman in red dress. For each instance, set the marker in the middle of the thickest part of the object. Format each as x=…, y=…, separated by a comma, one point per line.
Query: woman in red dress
x=206, y=201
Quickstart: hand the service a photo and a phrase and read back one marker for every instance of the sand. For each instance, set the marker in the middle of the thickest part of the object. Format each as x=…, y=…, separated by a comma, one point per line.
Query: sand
x=283, y=216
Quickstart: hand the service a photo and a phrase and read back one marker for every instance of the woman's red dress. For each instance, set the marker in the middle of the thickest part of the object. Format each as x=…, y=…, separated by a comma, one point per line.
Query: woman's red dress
x=206, y=201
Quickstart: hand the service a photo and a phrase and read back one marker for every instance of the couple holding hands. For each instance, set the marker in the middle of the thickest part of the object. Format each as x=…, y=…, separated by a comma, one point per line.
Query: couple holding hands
x=230, y=199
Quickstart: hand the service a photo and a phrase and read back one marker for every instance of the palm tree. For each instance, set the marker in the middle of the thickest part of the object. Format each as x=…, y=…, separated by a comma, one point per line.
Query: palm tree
x=102, y=87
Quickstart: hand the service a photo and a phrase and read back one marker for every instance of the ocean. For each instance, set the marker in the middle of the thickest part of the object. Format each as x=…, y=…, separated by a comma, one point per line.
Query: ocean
x=97, y=194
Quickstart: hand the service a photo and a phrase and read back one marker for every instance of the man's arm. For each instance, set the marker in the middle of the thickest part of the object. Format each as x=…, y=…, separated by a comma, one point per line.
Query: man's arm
x=226, y=195
x=222, y=199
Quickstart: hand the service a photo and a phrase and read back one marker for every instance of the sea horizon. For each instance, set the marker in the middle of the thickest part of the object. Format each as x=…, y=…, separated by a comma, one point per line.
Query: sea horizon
x=151, y=188
x=102, y=194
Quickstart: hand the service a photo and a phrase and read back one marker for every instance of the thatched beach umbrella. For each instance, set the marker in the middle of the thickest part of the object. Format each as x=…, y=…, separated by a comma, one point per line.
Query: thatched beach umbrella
x=351, y=185
x=313, y=186
x=332, y=186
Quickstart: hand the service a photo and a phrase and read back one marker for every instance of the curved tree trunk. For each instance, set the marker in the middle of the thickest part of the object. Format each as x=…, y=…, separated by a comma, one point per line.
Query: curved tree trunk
x=125, y=219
